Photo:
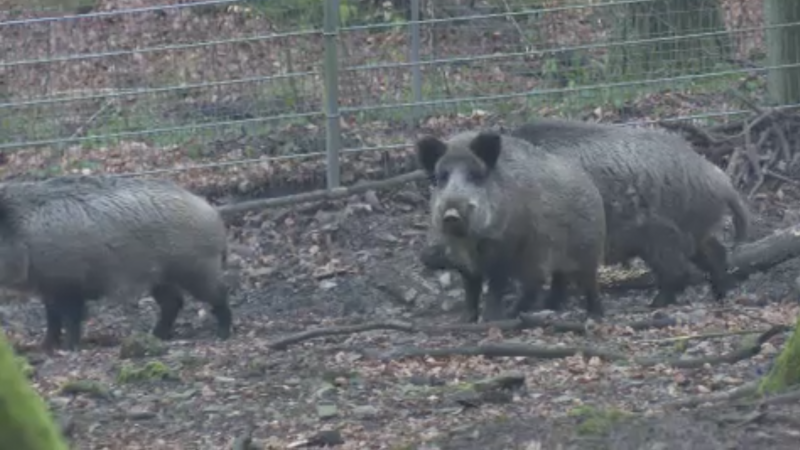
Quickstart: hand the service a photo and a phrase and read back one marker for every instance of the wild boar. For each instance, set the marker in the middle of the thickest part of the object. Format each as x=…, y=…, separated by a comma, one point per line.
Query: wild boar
x=77, y=238
x=505, y=209
x=663, y=201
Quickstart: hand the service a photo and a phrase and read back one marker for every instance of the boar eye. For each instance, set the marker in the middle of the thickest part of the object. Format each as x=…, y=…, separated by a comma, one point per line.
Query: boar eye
x=476, y=176
x=441, y=177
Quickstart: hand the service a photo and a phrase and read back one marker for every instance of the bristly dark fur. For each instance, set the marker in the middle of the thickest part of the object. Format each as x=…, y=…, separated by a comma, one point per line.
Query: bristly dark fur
x=519, y=213
x=78, y=238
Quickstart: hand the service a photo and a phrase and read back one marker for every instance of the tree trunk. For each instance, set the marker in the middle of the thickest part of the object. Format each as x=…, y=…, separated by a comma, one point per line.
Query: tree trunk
x=783, y=48
x=785, y=371
x=25, y=423
x=664, y=25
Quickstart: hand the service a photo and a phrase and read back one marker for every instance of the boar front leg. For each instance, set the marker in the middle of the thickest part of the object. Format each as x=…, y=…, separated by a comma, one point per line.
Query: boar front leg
x=473, y=285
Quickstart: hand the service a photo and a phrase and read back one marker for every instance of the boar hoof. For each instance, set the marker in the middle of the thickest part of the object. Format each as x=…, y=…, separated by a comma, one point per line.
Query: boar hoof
x=162, y=333
x=493, y=315
x=595, y=314
x=469, y=317
x=223, y=333
x=662, y=299
x=50, y=345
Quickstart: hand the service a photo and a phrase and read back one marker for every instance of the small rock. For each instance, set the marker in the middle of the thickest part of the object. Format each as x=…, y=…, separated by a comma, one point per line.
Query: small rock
x=327, y=411
x=245, y=186
x=140, y=414
x=327, y=438
x=446, y=280
x=409, y=198
x=327, y=285
x=365, y=411
x=372, y=198
x=451, y=304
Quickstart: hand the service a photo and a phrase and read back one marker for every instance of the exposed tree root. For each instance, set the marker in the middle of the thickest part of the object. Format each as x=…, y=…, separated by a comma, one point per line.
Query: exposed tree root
x=552, y=352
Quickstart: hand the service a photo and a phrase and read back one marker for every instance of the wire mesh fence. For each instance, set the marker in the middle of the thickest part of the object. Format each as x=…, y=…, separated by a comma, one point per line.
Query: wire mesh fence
x=239, y=91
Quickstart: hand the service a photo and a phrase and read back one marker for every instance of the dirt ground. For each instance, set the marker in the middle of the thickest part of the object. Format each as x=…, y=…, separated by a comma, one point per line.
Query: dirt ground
x=355, y=261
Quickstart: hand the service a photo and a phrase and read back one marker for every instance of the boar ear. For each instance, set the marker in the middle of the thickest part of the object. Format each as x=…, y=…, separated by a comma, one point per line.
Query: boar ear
x=429, y=150
x=487, y=146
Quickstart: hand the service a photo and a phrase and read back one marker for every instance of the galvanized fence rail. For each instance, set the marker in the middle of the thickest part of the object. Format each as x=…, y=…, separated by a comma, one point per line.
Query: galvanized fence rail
x=146, y=87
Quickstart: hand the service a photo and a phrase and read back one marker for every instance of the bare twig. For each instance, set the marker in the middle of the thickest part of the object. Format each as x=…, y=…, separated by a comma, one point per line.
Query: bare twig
x=283, y=343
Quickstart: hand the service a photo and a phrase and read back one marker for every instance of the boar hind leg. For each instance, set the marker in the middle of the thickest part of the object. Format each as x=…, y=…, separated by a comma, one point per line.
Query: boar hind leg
x=170, y=303
x=64, y=310
x=591, y=293
x=52, y=339
x=473, y=285
x=214, y=293
x=72, y=315
x=557, y=296
x=665, y=252
x=712, y=258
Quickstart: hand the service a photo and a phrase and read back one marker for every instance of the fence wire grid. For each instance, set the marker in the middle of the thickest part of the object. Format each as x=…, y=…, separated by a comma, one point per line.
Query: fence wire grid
x=247, y=87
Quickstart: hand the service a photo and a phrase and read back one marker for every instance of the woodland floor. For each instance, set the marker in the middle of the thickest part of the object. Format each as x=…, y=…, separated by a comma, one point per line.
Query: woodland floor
x=355, y=261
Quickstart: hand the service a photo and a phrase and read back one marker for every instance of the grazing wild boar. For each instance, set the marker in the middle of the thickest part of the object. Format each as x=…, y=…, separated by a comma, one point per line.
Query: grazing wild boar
x=504, y=210
x=663, y=201
x=77, y=238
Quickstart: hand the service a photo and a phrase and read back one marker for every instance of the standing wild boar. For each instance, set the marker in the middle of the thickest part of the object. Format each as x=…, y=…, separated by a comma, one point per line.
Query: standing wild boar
x=77, y=238
x=505, y=209
x=663, y=201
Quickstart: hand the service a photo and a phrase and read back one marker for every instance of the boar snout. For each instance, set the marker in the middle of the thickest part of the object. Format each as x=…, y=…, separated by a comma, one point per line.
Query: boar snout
x=453, y=223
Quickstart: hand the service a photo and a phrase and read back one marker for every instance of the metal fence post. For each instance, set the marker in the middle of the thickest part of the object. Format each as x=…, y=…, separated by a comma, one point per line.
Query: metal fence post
x=416, y=71
x=333, y=141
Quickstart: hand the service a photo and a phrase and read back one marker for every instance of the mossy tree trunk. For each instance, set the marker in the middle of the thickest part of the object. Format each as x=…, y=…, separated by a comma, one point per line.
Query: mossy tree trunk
x=785, y=371
x=783, y=49
x=677, y=37
x=25, y=423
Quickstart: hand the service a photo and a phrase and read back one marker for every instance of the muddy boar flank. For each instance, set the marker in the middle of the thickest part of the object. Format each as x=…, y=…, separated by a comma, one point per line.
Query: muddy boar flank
x=78, y=238
x=663, y=201
x=506, y=210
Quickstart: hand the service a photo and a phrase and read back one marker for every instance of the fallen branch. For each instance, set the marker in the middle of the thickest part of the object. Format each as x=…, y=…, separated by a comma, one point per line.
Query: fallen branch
x=552, y=352
x=737, y=393
x=691, y=337
x=737, y=398
x=524, y=322
x=283, y=343
x=322, y=194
